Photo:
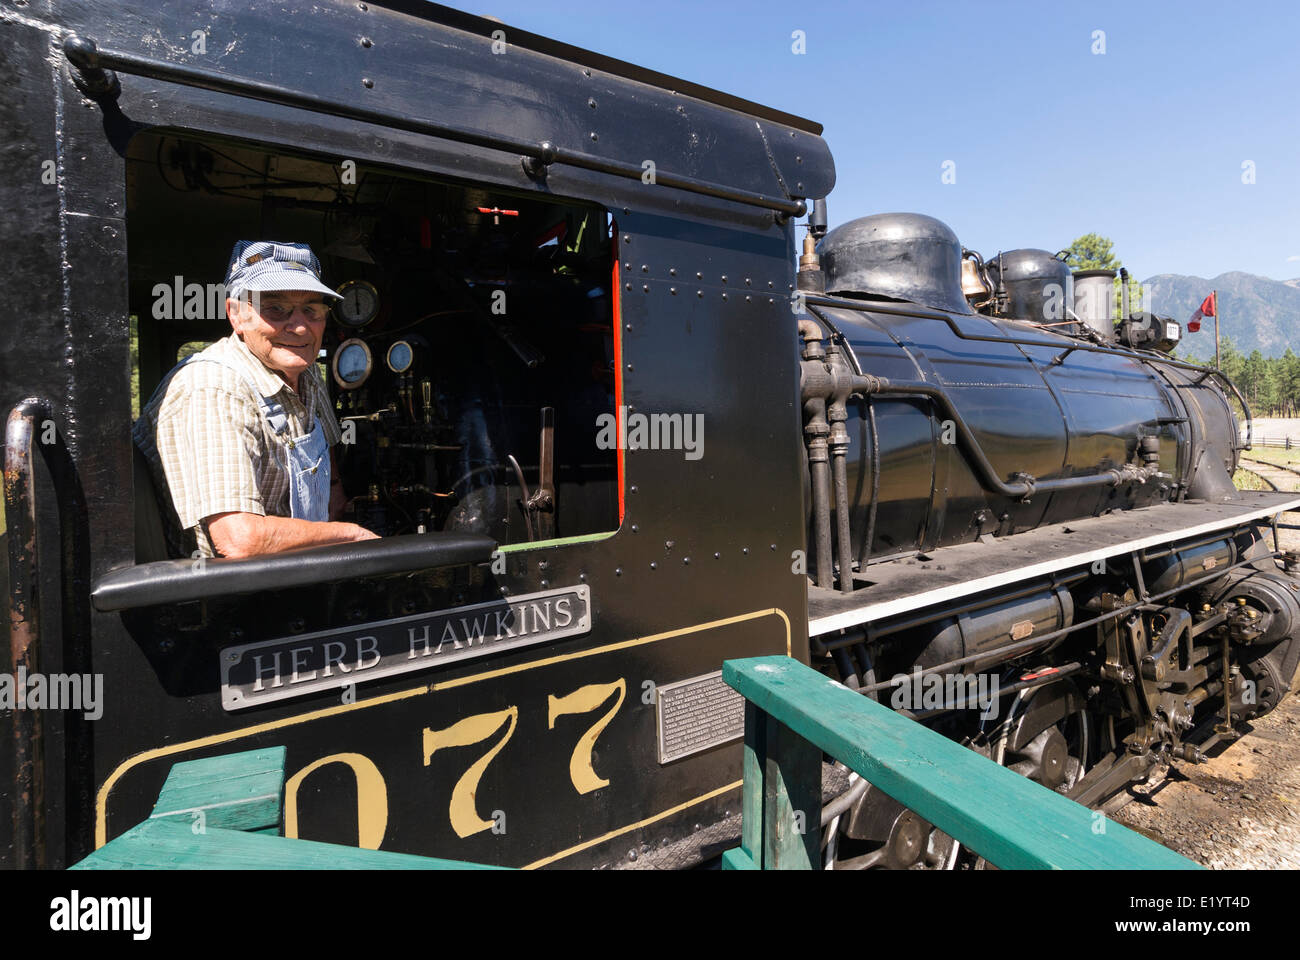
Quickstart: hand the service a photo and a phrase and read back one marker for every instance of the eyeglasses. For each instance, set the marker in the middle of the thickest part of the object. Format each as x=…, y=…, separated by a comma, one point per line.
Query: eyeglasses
x=279, y=312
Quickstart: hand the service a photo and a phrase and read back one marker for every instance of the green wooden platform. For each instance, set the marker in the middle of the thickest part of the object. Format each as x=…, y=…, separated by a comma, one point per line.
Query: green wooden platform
x=240, y=791
x=224, y=813
x=793, y=714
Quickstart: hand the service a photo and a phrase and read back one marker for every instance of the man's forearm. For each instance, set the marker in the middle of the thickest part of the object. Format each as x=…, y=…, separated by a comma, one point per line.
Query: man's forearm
x=248, y=534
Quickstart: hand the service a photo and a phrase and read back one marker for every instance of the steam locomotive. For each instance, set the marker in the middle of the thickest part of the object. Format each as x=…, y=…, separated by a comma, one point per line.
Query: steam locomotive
x=610, y=438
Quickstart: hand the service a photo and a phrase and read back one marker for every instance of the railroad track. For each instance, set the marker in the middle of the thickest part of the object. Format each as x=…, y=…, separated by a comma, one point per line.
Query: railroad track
x=1277, y=476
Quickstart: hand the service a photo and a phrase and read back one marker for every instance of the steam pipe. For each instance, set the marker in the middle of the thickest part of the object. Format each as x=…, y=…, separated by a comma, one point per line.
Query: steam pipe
x=838, y=337
x=821, y=507
x=841, y=804
x=841, y=476
x=842, y=533
x=838, y=414
x=870, y=537
x=816, y=431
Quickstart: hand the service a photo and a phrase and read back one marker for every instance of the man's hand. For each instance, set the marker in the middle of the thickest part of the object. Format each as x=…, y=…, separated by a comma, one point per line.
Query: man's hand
x=240, y=535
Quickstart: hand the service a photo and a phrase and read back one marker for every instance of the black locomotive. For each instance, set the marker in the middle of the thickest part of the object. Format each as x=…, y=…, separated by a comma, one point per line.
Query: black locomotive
x=608, y=436
x=961, y=454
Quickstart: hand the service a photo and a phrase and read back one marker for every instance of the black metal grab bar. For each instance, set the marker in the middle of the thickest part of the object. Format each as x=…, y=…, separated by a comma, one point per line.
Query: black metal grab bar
x=31, y=424
x=25, y=630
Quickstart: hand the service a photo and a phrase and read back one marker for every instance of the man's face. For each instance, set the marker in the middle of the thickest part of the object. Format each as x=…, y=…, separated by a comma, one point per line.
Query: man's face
x=283, y=329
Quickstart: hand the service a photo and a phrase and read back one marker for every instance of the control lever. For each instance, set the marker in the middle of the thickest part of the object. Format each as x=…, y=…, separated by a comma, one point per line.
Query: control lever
x=525, y=498
x=539, y=506
x=529, y=355
x=542, y=503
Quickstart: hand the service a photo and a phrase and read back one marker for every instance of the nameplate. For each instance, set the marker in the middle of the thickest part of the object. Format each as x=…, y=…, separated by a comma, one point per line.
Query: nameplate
x=270, y=670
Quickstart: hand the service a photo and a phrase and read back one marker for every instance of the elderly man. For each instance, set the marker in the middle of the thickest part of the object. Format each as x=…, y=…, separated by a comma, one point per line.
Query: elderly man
x=240, y=434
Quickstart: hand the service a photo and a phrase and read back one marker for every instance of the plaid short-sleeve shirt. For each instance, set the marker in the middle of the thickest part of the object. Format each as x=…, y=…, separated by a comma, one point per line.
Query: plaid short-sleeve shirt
x=211, y=448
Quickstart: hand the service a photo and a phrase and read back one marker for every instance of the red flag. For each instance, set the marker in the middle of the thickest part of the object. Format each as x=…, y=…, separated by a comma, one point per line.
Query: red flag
x=1209, y=308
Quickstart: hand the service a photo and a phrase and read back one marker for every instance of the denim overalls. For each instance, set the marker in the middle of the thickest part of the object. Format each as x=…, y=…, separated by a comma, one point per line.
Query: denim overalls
x=307, y=457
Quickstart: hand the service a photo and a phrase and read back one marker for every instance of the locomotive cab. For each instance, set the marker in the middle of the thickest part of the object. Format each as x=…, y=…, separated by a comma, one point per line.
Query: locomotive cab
x=546, y=259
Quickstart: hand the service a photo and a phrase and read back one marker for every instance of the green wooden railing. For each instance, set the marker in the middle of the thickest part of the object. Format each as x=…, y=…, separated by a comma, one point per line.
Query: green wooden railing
x=224, y=813
x=793, y=715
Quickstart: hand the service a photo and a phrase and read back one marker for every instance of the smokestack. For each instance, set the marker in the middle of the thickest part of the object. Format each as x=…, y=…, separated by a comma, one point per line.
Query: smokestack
x=1094, y=300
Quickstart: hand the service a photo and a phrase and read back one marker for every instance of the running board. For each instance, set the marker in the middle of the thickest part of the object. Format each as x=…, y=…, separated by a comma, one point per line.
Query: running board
x=951, y=573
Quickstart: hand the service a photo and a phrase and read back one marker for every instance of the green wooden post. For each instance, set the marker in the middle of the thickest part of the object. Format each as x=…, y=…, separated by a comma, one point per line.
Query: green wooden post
x=751, y=798
x=781, y=823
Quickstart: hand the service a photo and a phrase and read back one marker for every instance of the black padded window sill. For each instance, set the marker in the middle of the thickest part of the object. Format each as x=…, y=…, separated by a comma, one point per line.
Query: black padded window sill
x=181, y=581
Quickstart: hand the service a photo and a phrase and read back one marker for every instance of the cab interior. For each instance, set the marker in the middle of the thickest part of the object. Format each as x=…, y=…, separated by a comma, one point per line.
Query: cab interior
x=469, y=363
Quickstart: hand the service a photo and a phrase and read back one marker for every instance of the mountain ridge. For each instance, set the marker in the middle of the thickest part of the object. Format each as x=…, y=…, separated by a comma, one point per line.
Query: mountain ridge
x=1258, y=313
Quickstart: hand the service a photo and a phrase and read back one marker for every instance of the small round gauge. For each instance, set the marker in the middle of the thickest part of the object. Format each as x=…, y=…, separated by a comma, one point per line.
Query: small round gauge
x=360, y=303
x=400, y=357
x=352, y=363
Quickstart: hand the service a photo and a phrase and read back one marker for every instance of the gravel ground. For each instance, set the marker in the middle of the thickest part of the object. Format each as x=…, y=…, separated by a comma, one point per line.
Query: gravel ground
x=1241, y=808
x=1238, y=810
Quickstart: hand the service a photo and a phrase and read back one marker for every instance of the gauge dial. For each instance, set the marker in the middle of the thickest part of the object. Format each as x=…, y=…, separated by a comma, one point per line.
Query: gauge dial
x=400, y=357
x=352, y=363
x=360, y=303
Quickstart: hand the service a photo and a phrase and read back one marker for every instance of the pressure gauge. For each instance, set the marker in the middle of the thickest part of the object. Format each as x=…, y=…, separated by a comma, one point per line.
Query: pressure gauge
x=400, y=357
x=360, y=303
x=352, y=363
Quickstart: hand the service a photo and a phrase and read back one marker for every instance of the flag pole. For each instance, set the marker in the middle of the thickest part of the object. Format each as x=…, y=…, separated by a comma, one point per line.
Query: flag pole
x=1215, y=294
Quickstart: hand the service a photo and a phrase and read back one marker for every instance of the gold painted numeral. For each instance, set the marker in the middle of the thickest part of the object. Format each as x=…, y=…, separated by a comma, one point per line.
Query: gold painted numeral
x=464, y=817
x=372, y=797
x=584, y=700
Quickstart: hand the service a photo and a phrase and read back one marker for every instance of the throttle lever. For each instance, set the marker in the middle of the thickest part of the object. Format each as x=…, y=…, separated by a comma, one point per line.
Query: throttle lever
x=543, y=501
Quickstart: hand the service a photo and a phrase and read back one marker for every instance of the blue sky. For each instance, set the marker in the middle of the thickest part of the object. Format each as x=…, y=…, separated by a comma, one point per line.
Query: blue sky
x=1144, y=143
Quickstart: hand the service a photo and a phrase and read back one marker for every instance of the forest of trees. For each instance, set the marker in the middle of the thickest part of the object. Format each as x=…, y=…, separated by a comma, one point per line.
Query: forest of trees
x=1271, y=385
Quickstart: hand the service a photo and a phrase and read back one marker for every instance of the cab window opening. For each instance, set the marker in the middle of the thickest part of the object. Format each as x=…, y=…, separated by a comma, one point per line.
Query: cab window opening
x=475, y=334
